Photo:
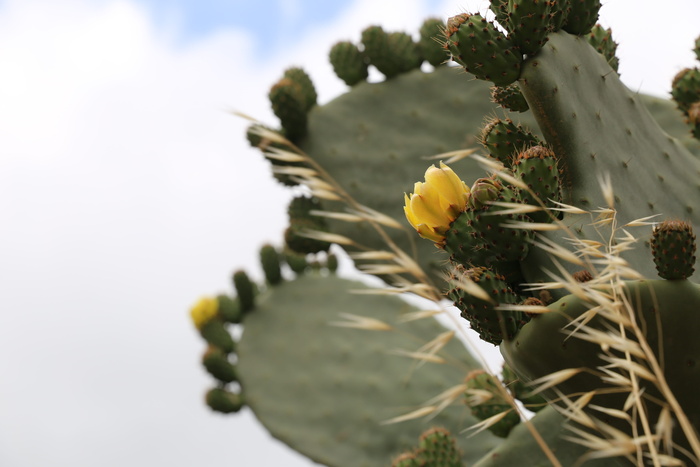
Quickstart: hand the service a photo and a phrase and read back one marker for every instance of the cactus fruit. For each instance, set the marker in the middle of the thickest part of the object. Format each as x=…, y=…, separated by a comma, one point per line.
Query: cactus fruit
x=481, y=236
x=601, y=40
x=483, y=50
x=436, y=447
x=504, y=139
x=673, y=246
x=529, y=23
x=485, y=397
x=218, y=365
x=492, y=325
x=685, y=88
x=348, y=63
x=224, y=401
x=430, y=48
x=538, y=168
x=289, y=105
x=582, y=16
x=509, y=97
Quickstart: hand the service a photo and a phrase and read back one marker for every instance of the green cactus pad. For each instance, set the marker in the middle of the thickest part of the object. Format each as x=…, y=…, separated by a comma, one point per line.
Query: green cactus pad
x=673, y=246
x=509, y=97
x=601, y=40
x=537, y=167
x=437, y=447
x=307, y=88
x=613, y=135
x=325, y=390
x=582, y=16
x=664, y=307
x=348, y=63
x=483, y=50
x=529, y=23
x=504, y=139
x=431, y=49
x=492, y=325
x=520, y=445
x=289, y=105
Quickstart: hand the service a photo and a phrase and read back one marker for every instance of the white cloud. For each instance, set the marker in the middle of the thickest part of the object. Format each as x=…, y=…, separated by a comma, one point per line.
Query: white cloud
x=126, y=191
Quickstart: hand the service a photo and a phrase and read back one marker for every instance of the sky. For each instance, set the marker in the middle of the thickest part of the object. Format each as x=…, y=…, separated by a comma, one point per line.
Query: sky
x=127, y=191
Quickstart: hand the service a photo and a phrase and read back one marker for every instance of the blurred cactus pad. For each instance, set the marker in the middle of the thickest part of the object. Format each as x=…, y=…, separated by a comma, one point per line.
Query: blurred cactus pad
x=541, y=222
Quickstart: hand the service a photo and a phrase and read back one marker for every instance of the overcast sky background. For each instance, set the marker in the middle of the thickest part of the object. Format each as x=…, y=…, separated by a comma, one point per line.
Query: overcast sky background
x=127, y=191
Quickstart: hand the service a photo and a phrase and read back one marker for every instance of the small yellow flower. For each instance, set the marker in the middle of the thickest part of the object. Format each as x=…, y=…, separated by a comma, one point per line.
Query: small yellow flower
x=204, y=311
x=436, y=203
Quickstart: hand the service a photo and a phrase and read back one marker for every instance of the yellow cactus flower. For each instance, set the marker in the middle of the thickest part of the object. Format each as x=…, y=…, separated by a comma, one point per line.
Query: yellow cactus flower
x=204, y=311
x=436, y=203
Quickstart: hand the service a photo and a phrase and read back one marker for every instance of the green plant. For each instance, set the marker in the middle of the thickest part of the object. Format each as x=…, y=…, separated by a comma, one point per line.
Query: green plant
x=541, y=243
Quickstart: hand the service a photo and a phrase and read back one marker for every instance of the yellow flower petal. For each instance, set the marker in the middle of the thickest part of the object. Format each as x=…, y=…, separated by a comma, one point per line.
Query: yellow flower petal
x=204, y=311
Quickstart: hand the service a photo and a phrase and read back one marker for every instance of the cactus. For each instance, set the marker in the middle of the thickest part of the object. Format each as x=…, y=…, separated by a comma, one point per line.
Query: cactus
x=591, y=332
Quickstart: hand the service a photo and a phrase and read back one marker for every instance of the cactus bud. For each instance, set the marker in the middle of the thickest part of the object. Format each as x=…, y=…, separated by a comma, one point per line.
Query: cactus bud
x=245, y=290
x=217, y=364
x=673, y=246
x=348, y=63
x=221, y=400
x=270, y=260
x=431, y=50
x=486, y=400
x=509, y=97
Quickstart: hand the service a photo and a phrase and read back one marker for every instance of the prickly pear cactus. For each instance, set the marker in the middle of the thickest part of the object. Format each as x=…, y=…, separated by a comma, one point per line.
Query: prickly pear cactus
x=576, y=162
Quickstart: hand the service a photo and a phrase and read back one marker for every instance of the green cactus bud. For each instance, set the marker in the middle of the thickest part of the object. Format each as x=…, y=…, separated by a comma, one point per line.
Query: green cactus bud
x=529, y=23
x=433, y=52
x=485, y=399
x=537, y=167
x=601, y=40
x=685, y=88
x=245, y=290
x=265, y=144
x=697, y=48
x=560, y=13
x=348, y=62
x=478, y=237
x=308, y=91
x=216, y=335
x=407, y=459
x=229, y=310
x=521, y=391
x=437, y=447
x=509, y=97
x=221, y=400
x=288, y=104
x=296, y=240
x=482, y=49
x=492, y=325
x=582, y=16
x=504, y=139
x=405, y=51
x=673, y=246
x=270, y=260
x=296, y=261
x=218, y=365
x=332, y=262
x=389, y=53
